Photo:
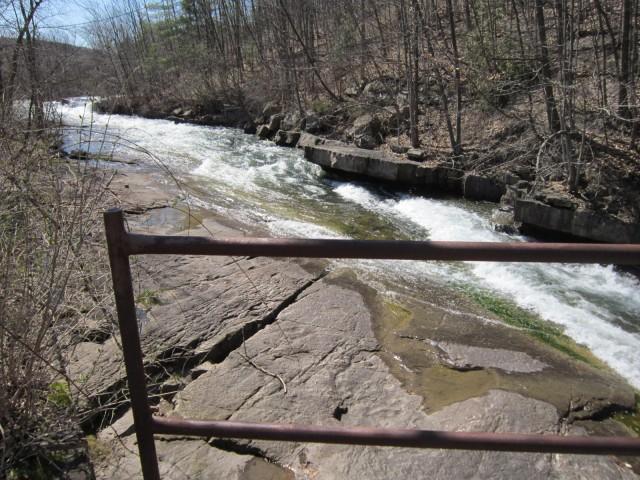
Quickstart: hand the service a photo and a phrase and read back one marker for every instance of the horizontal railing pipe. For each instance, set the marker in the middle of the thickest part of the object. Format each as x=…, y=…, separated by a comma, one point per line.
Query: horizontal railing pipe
x=511, y=442
x=621, y=254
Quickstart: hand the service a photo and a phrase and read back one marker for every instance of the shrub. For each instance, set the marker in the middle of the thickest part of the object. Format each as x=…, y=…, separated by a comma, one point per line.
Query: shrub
x=48, y=220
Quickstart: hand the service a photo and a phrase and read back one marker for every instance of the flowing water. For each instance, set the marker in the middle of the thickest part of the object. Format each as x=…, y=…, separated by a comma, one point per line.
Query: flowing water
x=259, y=183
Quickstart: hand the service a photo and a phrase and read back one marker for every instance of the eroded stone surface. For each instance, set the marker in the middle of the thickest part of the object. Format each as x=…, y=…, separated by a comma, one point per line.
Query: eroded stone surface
x=323, y=349
x=468, y=357
x=191, y=309
x=411, y=332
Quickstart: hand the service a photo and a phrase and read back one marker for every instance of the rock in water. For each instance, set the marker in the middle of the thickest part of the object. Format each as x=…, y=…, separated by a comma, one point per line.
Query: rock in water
x=274, y=122
x=263, y=132
x=286, y=139
x=250, y=128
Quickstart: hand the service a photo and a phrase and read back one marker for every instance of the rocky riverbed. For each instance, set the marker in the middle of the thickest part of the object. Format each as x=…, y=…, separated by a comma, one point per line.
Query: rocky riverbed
x=289, y=341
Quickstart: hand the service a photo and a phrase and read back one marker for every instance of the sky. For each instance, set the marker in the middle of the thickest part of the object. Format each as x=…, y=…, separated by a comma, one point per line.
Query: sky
x=66, y=20
x=60, y=20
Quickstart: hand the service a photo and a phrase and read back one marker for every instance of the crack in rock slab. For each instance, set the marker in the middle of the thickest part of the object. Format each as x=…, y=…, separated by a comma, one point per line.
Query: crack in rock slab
x=206, y=316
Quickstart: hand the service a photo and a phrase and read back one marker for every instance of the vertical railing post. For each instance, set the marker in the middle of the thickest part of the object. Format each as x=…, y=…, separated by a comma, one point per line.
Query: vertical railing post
x=117, y=243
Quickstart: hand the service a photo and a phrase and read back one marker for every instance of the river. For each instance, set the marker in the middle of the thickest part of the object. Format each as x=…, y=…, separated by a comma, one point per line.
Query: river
x=258, y=183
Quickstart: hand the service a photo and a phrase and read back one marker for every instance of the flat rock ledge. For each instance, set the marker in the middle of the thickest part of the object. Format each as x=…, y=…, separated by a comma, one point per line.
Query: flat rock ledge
x=322, y=348
x=376, y=165
x=468, y=357
x=550, y=217
x=578, y=223
x=197, y=309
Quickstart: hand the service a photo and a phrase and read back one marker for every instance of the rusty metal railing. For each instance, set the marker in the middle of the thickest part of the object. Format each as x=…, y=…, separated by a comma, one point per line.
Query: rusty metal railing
x=122, y=245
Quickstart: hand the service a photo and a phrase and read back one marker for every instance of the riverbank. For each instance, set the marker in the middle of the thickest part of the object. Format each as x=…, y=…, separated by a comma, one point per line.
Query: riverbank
x=261, y=184
x=603, y=209
x=331, y=339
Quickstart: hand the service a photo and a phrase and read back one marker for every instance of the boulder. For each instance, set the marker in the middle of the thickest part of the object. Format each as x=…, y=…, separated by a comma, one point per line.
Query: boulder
x=366, y=131
x=175, y=119
x=365, y=141
x=274, y=122
x=561, y=202
x=292, y=139
x=263, y=132
x=270, y=109
x=351, y=92
x=395, y=119
x=376, y=90
x=309, y=140
x=502, y=221
x=415, y=154
x=312, y=124
x=286, y=139
x=315, y=124
x=250, y=128
x=366, y=124
x=524, y=172
x=280, y=138
x=292, y=121
x=397, y=148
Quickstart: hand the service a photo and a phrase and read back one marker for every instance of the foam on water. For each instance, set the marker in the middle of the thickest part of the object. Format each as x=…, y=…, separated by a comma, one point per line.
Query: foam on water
x=260, y=182
x=301, y=229
x=598, y=306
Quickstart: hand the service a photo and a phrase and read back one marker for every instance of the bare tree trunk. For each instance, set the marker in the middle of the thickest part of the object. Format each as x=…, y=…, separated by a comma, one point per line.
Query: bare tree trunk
x=624, y=109
x=550, y=102
x=467, y=15
x=310, y=59
x=439, y=79
x=8, y=93
x=409, y=27
x=457, y=148
x=565, y=59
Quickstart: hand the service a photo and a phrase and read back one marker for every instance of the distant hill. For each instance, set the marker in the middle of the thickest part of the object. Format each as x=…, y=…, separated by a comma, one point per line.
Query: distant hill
x=64, y=70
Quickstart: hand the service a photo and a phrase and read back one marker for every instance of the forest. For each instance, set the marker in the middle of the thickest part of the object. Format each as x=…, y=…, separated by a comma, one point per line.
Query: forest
x=556, y=79
x=553, y=83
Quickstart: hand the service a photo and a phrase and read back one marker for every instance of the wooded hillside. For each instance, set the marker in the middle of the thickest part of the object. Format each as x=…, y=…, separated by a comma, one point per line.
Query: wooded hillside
x=573, y=57
x=552, y=83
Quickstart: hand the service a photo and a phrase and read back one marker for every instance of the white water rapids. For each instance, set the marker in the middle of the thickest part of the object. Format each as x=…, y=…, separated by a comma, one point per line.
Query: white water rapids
x=257, y=182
